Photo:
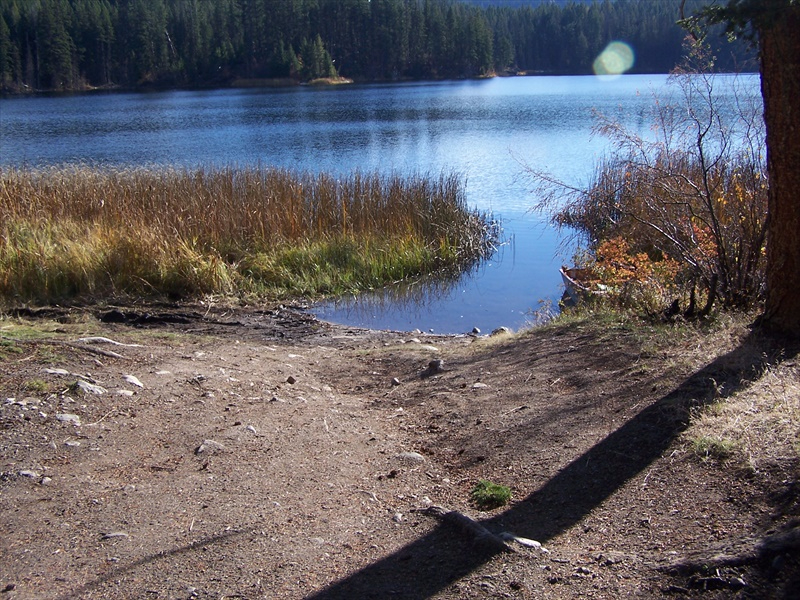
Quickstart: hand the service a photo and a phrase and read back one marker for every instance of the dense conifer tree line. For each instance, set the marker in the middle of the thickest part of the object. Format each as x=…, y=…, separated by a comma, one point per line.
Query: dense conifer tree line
x=74, y=44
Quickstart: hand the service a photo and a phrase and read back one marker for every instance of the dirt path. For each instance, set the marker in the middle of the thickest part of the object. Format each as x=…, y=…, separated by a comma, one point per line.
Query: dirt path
x=261, y=454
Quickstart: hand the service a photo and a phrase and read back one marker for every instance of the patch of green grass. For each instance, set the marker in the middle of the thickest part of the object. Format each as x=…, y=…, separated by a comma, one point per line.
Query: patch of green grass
x=487, y=495
x=35, y=385
x=707, y=447
x=8, y=348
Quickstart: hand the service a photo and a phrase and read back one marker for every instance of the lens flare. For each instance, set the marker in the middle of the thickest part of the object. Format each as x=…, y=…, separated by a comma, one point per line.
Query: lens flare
x=614, y=60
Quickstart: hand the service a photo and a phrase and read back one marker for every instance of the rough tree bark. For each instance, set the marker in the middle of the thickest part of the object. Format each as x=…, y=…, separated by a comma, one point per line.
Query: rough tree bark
x=779, y=45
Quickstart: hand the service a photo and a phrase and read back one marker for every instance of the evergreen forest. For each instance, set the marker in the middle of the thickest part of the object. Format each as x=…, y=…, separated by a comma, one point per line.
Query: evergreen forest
x=83, y=44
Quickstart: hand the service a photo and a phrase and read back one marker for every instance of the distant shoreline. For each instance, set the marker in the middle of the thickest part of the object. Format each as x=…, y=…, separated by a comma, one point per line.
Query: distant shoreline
x=285, y=82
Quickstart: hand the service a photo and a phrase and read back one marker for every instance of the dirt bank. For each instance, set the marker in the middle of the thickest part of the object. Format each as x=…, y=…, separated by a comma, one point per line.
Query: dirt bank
x=245, y=453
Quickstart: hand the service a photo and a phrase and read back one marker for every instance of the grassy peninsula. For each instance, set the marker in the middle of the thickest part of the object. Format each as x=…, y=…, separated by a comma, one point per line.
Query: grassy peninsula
x=84, y=233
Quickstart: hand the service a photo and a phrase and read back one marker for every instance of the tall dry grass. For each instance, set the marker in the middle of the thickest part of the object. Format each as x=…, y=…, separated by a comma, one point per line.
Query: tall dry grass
x=80, y=232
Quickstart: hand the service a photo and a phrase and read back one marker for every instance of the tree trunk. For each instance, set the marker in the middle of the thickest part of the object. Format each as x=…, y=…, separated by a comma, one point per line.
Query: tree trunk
x=780, y=85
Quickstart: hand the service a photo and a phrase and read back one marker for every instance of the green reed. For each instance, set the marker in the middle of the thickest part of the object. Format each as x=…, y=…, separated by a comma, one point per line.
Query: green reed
x=86, y=233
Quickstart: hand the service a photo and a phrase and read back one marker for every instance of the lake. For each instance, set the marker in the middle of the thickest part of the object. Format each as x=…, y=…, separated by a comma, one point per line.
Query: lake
x=485, y=130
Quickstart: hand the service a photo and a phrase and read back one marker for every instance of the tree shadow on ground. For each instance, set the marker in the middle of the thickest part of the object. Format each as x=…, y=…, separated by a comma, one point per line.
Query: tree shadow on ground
x=150, y=561
x=440, y=558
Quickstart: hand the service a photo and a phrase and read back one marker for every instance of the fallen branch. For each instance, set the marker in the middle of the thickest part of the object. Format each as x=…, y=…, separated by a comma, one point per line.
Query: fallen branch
x=105, y=340
x=481, y=537
x=100, y=351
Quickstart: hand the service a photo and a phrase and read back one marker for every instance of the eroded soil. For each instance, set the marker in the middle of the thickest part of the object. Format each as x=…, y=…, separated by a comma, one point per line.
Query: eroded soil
x=262, y=454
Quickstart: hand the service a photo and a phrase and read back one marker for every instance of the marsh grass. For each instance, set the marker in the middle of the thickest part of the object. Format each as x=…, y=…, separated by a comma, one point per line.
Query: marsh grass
x=83, y=233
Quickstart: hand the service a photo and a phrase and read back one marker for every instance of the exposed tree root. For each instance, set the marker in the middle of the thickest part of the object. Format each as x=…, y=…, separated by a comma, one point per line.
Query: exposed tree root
x=739, y=552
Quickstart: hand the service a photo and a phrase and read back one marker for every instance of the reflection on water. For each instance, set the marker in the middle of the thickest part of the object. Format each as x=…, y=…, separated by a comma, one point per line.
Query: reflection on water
x=477, y=297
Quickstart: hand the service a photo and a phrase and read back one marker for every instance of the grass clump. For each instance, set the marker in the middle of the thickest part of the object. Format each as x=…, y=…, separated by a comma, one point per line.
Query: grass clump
x=35, y=385
x=83, y=233
x=707, y=447
x=487, y=495
x=758, y=426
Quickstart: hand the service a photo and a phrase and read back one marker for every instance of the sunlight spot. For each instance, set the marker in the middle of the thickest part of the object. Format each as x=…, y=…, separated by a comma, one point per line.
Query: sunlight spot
x=614, y=60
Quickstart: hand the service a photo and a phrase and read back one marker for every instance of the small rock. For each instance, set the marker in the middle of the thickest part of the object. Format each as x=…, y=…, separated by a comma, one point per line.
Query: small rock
x=395, y=381
x=113, y=535
x=398, y=517
x=318, y=541
x=291, y=380
x=479, y=385
x=133, y=380
x=429, y=348
x=251, y=429
x=414, y=341
x=72, y=443
x=413, y=457
x=501, y=330
x=89, y=388
x=128, y=393
x=46, y=480
x=434, y=367
x=68, y=418
x=209, y=447
x=476, y=331
x=28, y=473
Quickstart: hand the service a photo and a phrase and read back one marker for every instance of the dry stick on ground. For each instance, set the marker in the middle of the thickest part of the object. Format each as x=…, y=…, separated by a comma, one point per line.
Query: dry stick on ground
x=101, y=352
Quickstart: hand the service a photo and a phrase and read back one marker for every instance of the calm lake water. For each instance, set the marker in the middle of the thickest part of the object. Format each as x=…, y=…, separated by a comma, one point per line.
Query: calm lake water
x=484, y=130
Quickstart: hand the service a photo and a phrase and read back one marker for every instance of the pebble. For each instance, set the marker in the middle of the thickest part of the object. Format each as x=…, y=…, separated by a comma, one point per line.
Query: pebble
x=395, y=381
x=479, y=385
x=133, y=380
x=434, y=367
x=291, y=380
x=68, y=418
x=501, y=330
x=414, y=457
x=72, y=443
x=476, y=331
x=28, y=473
x=210, y=447
x=89, y=388
x=398, y=517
